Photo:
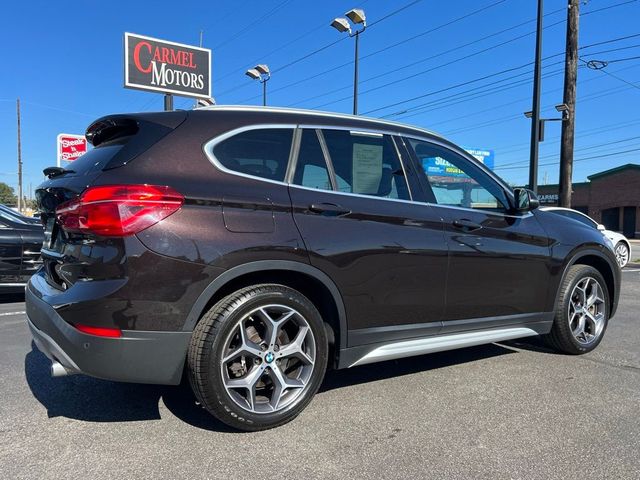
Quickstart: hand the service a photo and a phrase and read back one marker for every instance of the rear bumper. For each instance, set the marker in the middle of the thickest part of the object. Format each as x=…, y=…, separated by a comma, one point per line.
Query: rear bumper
x=138, y=356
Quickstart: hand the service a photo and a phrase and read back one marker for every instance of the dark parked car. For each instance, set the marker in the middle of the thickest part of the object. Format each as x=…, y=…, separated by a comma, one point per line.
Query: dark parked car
x=20, y=243
x=252, y=248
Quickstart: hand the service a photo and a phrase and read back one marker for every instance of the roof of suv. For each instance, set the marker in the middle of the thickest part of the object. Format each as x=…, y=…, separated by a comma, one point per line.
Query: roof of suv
x=376, y=122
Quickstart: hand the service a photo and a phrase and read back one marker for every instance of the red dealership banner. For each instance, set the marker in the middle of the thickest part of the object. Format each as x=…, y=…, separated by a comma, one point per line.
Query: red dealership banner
x=166, y=67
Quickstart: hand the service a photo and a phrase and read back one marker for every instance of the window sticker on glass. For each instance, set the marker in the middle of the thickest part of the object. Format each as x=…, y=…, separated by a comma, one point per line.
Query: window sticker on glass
x=367, y=168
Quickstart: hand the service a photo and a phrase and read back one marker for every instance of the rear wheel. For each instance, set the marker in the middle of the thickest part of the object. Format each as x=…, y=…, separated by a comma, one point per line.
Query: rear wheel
x=258, y=357
x=582, y=312
x=622, y=254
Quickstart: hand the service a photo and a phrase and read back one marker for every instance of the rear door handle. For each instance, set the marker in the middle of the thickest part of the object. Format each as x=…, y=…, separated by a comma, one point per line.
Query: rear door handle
x=328, y=209
x=466, y=225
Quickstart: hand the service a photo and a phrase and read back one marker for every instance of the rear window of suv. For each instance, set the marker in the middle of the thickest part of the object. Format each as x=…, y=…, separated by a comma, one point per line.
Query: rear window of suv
x=261, y=153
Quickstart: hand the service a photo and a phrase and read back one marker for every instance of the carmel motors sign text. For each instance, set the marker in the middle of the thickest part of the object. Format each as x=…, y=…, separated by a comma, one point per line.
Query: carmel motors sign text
x=167, y=67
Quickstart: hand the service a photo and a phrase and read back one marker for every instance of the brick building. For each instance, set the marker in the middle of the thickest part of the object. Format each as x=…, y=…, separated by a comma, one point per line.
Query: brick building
x=611, y=197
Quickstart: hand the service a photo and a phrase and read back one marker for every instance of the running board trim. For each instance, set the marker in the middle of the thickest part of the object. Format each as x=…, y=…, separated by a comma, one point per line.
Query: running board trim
x=440, y=343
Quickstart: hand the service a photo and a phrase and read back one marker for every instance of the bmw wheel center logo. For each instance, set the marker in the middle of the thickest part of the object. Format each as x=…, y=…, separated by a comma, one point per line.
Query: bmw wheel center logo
x=269, y=357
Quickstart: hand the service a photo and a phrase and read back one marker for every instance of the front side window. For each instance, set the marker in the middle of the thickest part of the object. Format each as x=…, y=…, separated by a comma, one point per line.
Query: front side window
x=455, y=181
x=366, y=164
x=261, y=153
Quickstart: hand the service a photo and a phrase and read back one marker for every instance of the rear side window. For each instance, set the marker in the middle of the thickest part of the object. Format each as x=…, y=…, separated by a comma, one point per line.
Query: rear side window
x=96, y=158
x=366, y=164
x=261, y=153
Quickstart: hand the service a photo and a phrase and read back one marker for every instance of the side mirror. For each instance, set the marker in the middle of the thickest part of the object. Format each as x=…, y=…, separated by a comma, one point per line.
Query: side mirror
x=601, y=227
x=525, y=200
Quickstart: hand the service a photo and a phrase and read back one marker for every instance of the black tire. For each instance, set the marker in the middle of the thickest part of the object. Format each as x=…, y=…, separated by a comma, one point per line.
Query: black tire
x=209, y=340
x=561, y=337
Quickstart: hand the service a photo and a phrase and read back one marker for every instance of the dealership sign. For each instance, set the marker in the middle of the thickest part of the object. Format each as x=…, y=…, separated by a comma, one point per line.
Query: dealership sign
x=167, y=67
x=438, y=166
x=71, y=147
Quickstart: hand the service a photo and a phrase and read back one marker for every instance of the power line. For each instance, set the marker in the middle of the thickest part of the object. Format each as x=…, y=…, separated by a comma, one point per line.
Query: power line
x=448, y=88
x=422, y=60
x=595, y=131
x=325, y=47
x=611, y=154
x=442, y=53
x=593, y=96
x=634, y=85
x=430, y=30
x=242, y=31
x=281, y=47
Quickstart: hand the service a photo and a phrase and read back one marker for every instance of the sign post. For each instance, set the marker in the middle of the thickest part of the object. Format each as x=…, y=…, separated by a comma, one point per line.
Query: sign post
x=70, y=147
x=166, y=67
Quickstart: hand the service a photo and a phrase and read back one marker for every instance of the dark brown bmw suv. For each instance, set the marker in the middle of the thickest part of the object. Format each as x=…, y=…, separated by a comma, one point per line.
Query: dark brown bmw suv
x=252, y=248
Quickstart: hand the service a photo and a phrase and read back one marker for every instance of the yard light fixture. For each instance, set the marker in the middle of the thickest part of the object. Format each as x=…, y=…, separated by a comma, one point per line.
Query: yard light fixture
x=262, y=74
x=562, y=108
x=357, y=17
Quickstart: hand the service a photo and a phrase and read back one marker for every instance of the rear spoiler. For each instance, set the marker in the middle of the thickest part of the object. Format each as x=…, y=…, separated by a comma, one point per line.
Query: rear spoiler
x=112, y=127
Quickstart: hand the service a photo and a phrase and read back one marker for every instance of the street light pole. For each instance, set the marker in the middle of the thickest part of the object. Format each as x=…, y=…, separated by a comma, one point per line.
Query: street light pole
x=357, y=16
x=262, y=74
x=355, y=76
x=20, y=205
x=264, y=92
x=535, y=117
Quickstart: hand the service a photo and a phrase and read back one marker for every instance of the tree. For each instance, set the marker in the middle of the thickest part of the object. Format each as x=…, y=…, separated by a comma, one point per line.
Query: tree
x=7, y=196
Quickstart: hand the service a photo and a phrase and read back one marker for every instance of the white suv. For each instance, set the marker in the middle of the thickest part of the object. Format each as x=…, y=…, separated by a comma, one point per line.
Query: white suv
x=621, y=245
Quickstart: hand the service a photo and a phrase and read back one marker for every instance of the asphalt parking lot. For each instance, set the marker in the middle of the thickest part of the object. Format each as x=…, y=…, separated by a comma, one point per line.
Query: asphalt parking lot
x=513, y=410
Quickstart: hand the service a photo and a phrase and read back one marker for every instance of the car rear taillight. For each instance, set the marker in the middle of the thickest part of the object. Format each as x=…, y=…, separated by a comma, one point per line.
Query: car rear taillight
x=118, y=210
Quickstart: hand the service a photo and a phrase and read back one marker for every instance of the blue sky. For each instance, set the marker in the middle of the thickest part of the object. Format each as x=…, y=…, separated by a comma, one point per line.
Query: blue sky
x=64, y=61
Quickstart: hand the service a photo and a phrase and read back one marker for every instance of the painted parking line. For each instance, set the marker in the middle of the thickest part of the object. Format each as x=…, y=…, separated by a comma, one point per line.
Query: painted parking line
x=7, y=314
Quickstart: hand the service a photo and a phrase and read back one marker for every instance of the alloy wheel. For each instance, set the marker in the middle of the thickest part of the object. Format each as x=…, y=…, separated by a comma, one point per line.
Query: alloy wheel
x=268, y=359
x=622, y=254
x=587, y=311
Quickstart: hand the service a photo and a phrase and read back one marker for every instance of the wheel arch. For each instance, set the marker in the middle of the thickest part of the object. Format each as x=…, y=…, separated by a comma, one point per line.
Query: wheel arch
x=308, y=280
x=604, y=265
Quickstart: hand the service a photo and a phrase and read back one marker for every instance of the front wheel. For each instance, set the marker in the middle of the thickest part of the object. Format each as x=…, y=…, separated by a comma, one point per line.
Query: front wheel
x=622, y=254
x=582, y=312
x=258, y=357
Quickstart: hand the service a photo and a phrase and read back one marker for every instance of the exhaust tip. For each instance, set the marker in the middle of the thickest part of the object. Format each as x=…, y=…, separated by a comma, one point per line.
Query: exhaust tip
x=58, y=370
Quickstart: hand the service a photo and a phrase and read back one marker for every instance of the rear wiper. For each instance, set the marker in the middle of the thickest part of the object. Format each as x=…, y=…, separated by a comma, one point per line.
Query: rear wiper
x=51, y=172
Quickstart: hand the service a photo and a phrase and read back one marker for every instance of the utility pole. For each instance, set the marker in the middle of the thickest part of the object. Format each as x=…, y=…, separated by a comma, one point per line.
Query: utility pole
x=19, y=159
x=569, y=99
x=535, y=109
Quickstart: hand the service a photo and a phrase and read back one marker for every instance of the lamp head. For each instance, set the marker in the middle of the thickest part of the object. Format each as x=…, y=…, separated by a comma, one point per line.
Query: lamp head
x=341, y=24
x=253, y=73
x=263, y=69
x=356, y=15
